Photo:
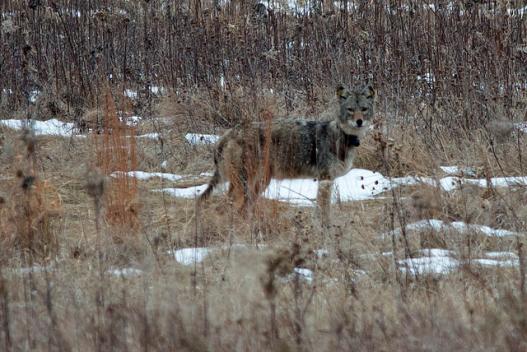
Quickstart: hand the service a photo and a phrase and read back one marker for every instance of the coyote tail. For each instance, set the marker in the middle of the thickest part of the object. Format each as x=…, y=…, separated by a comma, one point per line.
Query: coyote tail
x=214, y=181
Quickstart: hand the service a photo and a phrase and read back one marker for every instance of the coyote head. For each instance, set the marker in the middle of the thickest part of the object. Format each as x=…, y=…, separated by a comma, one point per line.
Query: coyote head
x=356, y=109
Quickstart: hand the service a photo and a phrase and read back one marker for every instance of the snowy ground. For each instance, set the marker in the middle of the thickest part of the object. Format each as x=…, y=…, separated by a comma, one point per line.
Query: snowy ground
x=457, y=226
x=429, y=261
x=440, y=261
x=51, y=127
x=358, y=184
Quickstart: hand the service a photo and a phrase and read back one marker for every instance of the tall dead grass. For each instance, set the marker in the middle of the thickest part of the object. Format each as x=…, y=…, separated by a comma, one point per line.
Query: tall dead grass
x=116, y=155
x=30, y=209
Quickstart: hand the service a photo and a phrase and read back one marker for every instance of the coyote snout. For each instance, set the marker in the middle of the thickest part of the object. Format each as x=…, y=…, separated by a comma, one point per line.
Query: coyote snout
x=358, y=120
x=248, y=158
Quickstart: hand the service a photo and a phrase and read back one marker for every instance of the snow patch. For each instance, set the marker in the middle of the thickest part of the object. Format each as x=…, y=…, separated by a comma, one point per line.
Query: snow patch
x=33, y=96
x=198, y=138
x=459, y=226
x=436, y=252
x=190, y=256
x=432, y=265
x=157, y=90
x=51, y=127
x=142, y=175
x=32, y=269
x=427, y=77
x=153, y=135
x=303, y=273
x=189, y=192
x=357, y=184
x=510, y=255
x=521, y=126
x=321, y=253
x=517, y=12
x=132, y=94
x=439, y=262
x=457, y=170
x=509, y=263
x=125, y=272
x=131, y=120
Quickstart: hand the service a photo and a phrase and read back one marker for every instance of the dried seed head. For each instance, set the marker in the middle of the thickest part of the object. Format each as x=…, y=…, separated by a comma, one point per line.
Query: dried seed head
x=28, y=137
x=27, y=182
x=95, y=183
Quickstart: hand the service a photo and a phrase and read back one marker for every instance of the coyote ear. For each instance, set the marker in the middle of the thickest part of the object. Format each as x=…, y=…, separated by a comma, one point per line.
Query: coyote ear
x=342, y=92
x=370, y=92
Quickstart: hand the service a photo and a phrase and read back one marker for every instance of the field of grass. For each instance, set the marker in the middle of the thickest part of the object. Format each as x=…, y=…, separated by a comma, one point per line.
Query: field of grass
x=92, y=259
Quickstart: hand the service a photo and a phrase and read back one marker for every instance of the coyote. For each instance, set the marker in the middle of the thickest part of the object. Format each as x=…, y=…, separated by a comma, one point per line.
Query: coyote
x=293, y=148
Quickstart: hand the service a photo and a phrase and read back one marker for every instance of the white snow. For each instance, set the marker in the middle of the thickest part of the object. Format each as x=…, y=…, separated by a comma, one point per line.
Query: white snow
x=32, y=269
x=189, y=256
x=432, y=265
x=54, y=127
x=427, y=77
x=521, y=126
x=510, y=255
x=51, y=127
x=292, y=6
x=189, y=192
x=438, y=261
x=198, y=138
x=497, y=181
x=305, y=274
x=125, y=272
x=459, y=226
x=450, y=183
x=509, y=263
x=131, y=120
x=517, y=12
x=132, y=94
x=321, y=253
x=157, y=90
x=152, y=135
x=33, y=96
x=142, y=175
x=458, y=170
x=435, y=252
x=358, y=184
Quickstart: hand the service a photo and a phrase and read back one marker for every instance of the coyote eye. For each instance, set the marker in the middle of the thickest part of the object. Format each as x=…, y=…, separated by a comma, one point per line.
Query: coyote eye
x=350, y=109
x=364, y=109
